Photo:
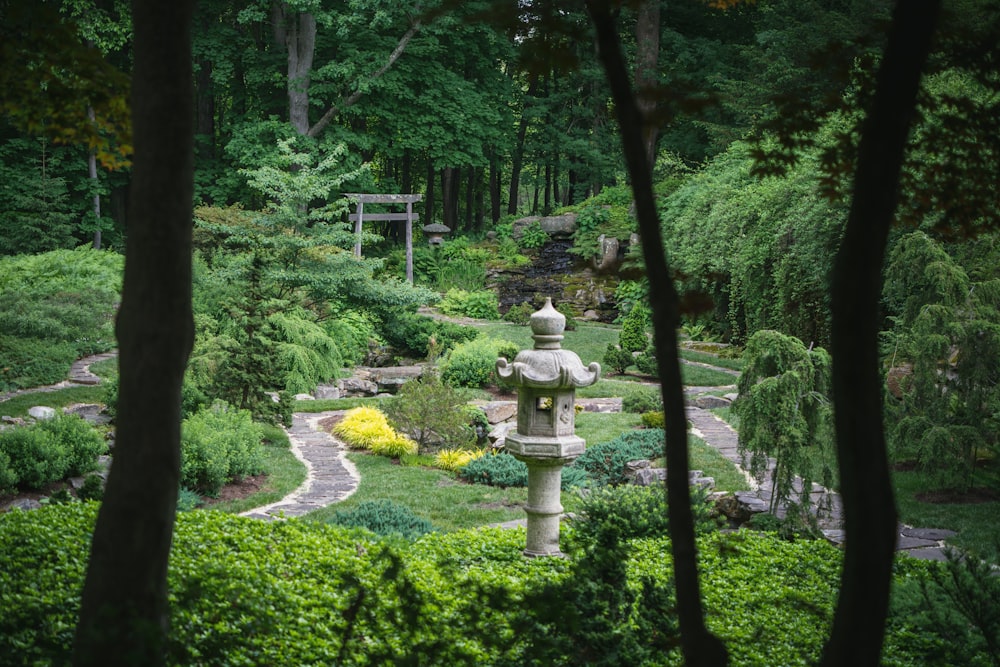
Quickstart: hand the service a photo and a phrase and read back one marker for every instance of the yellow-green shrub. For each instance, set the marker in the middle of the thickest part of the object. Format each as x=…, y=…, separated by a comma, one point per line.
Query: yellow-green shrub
x=368, y=428
x=453, y=459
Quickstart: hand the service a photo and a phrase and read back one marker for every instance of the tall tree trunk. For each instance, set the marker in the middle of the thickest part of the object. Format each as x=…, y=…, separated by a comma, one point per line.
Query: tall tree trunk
x=699, y=646
x=865, y=483
x=92, y=175
x=449, y=198
x=429, y=196
x=496, y=205
x=406, y=177
x=123, y=612
x=296, y=32
x=470, y=198
x=517, y=159
x=647, y=38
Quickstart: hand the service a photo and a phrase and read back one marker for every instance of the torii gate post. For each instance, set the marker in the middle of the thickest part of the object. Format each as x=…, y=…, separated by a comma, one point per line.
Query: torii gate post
x=358, y=217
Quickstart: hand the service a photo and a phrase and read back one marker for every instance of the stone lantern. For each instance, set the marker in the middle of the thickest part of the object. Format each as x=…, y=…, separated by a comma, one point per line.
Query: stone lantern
x=435, y=233
x=546, y=379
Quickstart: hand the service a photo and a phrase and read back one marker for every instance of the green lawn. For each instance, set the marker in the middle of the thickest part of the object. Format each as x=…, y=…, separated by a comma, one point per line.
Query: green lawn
x=58, y=399
x=433, y=494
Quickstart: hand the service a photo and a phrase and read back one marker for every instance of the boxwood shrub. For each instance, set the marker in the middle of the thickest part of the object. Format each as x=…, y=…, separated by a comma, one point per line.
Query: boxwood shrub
x=218, y=445
x=48, y=451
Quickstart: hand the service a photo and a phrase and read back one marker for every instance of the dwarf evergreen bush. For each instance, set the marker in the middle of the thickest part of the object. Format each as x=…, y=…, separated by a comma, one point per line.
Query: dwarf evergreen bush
x=383, y=517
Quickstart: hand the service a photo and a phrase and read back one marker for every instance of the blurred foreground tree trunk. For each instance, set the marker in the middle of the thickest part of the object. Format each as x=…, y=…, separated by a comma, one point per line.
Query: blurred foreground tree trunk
x=865, y=483
x=124, y=614
x=700, y=647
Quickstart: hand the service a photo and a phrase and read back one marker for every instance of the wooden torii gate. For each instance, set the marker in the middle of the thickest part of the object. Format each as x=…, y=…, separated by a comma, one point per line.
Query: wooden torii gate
x=359, y=217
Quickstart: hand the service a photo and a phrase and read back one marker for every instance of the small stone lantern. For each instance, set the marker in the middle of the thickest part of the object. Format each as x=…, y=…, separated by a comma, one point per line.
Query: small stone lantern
x=546, y=379
x=435, y=233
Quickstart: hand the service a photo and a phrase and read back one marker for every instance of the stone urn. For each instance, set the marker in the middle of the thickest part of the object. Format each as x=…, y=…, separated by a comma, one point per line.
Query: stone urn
x=546, y=379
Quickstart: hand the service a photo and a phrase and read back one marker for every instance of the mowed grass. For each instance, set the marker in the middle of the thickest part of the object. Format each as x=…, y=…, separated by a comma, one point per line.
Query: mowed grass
x=18, y=406
x=433, y=494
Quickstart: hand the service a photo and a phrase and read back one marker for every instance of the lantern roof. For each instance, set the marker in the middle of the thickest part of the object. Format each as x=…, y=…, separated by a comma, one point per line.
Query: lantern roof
x=548, y=366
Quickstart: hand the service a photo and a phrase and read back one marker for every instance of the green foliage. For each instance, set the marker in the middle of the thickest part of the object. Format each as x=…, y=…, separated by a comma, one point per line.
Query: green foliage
x=383, y=517
x=218, y=445
x=784, y=411
x=654, y=419
x=533, y=236
x=424, y=336
x=642, y=399
x=91, y=489
x=242, y=590
x=55, y=307
x=615, y=514
x=647, y=364
x=473, y=364
x=432, y=413
x=605, y=462
x=633, y=334
x=945, y=326
x=519, y=313
x=479, y=305
x=761, y=249
x=48, y=451
x=82, y=443
x=617, y=359
x=495, y=469
x=605, y=214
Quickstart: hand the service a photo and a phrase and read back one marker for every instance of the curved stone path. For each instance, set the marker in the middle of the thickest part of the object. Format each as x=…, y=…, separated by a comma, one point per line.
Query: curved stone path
x=330, y=476
x=79, y=374
x=826, y=505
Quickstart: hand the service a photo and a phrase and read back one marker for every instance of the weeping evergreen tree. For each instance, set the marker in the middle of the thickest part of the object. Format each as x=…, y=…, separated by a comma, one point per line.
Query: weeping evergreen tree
x=946, y=332
x=785, y=413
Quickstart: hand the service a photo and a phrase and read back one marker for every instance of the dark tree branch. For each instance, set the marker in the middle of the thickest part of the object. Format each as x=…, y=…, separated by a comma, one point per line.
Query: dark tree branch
x=353, y=98
x=866, y=488
x=700, y=647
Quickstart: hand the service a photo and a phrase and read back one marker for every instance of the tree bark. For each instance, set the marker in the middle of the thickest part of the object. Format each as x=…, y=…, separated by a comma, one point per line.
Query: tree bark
x=647, y=38
x=123, y=613
x=866, y=486
x=699, y=646
x=296, y=31
x=92, y=175
x=495, y=203
x=518, y=157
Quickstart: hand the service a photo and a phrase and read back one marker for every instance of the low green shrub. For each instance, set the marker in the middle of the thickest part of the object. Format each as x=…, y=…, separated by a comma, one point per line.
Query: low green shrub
x=432, y=413
x=633, y=334
x=646, y=363
x=533, y=236
x=496, y=469
x=567, y=312
x=383, y=517
x=410, y=333
x=48, y=451
x=473, y=364
x=83, y=444
x=642, y=399
x=480, y=305
x=218, y=445
x=653, y=419
x=605, y=462
x=91, y=489
x=617, y=359
x=519, y=313
x=33, y=362
x=8, y=478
